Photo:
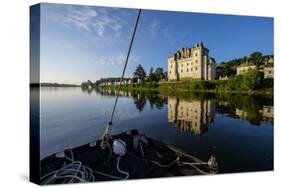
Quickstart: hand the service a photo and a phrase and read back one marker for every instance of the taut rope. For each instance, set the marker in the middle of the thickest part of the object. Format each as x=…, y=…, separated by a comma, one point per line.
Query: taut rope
x=107, y=132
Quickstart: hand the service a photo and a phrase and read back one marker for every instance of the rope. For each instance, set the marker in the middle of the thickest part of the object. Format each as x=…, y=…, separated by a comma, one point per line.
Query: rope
x=125, y=66
x=168, y=165
x=185, y=154
x=121, y=171
x=197, y=168
x=118, y=169
x=107, y=132
x=181, y=163
x=211, y=164
x=70, y=173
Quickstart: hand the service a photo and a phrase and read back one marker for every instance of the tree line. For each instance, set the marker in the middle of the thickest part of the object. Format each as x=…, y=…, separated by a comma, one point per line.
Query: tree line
x=139, y=74
x=154, y=75
x=228, y=68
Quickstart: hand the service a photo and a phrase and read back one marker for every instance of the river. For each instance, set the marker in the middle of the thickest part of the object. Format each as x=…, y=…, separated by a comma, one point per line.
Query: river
x=238, y=129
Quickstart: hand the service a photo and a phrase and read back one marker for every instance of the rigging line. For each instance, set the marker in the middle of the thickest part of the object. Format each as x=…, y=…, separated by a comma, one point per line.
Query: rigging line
x=125, y=66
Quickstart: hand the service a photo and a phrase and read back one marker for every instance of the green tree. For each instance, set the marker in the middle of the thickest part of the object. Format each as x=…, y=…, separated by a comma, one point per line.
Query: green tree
x=251, y=79
x=244, y=59
x=151, y=71
x=159, y=73
x=87, y=84
x=152, y=76
x=140, y=73
x=256, y=57
x=166, y=75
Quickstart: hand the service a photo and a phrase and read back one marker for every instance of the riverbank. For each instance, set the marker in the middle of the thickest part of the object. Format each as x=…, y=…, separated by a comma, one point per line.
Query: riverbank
x=214, y=86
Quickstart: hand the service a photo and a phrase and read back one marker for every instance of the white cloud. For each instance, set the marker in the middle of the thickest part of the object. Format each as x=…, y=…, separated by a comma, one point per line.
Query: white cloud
x=90, y=19
x=97, y=21
x=118, y=60
x=154, y=27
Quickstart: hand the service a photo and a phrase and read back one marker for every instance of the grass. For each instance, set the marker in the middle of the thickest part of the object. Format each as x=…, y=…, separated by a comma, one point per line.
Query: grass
x=212, y=86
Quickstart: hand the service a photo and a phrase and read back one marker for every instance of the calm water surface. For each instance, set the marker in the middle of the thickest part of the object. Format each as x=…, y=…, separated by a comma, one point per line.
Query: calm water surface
x=238, y=129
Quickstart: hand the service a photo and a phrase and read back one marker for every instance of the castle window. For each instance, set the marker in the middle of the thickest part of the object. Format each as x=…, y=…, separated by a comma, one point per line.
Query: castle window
x=181, y=70
x=195, y=68
x=187, y=64
x=196, y=61
x=170, y=72
x=196, y=54
x=187, y=70
x=191, y=69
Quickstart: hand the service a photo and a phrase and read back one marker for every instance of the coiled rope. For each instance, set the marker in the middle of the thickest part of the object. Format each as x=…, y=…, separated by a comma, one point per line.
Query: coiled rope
x=73, y=172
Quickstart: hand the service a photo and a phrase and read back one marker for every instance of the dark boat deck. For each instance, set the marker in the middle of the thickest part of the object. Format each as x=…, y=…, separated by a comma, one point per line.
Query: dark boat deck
x=138, y=162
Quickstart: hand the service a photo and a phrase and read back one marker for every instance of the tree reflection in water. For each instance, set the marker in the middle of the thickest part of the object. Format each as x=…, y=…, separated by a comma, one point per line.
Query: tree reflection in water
x=194, y=112
x=88, y=90
x=155, y=101
x=139, y=101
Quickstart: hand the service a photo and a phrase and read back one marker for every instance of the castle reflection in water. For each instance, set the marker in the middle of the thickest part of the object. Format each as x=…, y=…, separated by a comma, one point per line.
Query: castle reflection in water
x=195, y=115
x=190, y=115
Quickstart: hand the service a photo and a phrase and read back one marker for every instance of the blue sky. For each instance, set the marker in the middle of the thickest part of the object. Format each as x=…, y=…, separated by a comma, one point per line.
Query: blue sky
x=87, y=42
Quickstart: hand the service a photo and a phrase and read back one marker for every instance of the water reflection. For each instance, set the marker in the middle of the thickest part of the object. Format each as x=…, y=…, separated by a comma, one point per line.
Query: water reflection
x=112, y=92
x=140, y=98
x=88, y=90
x=155, y=101
x=190, y=115
x=194, y=112
x=254, y=109
x=231, y=126
x=268, y=113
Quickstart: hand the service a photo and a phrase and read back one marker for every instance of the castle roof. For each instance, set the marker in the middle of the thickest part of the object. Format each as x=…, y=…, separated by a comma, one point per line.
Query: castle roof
x=189, y=49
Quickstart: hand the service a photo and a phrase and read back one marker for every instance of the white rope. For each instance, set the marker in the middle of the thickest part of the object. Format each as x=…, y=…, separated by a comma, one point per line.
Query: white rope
x=185, y=154
x=168, y=165
x=179, y=163
x=182, y=163
x=121, y=171
x=118, y=169
x=198, y=169
x=70, y=173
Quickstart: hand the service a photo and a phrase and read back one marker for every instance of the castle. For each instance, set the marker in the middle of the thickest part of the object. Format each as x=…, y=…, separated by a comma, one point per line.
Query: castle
x=191, y=63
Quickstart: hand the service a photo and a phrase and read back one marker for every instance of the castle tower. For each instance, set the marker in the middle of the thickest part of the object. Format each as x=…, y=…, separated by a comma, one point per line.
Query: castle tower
x=172, y=68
